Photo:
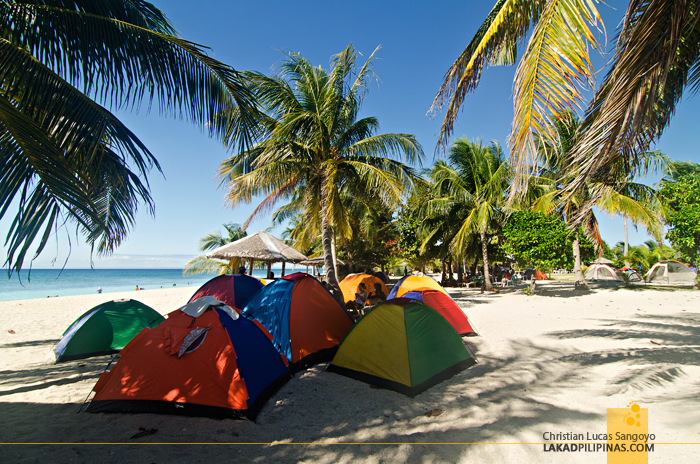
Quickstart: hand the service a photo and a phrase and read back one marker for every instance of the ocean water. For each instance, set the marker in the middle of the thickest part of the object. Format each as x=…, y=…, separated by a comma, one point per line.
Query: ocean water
x=43, y=283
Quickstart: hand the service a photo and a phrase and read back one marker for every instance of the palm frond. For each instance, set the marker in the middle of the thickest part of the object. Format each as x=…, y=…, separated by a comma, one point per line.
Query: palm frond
x=494, y=42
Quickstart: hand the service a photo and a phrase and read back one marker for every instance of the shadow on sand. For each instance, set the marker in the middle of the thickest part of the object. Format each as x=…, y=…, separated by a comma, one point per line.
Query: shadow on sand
x=501, y=398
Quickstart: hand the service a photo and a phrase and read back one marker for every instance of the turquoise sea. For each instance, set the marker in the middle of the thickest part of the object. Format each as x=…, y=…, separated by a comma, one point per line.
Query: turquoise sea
x=43, y=283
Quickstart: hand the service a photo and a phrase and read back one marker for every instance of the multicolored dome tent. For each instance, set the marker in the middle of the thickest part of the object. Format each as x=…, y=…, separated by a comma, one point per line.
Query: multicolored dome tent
x=351, y=282
x=402, y=345
x=446, y=306
x=204, y=360
x=234, y=290
x=305, y=321
x=671, y=272
x=105, y=329
x=598, y=271
x=414, y=284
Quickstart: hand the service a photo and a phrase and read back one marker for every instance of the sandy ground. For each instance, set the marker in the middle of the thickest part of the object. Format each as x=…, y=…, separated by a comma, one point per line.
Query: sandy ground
x=553, y=362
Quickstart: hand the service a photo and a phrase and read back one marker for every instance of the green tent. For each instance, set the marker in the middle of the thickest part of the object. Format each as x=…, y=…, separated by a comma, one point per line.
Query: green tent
x=403, y=345
x=105, y=329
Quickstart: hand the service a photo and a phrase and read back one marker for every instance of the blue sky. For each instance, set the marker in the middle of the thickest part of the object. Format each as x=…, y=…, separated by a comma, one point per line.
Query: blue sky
x=419, y=41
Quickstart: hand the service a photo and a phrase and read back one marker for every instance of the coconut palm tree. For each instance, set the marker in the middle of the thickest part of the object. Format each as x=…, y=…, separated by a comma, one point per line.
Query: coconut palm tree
x=635, y=201
x=315, y=151
x=65, y=157
x=656, y=59
x=204, y=265
x=471, y=192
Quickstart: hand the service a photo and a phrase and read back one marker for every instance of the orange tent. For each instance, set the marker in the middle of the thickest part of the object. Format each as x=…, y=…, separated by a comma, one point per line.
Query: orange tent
x=351, y=282
x=305, y=321
x=214, y=363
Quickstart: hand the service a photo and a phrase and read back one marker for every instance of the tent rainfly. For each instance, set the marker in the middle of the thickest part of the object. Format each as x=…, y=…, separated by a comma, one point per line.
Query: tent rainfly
x=260, y=246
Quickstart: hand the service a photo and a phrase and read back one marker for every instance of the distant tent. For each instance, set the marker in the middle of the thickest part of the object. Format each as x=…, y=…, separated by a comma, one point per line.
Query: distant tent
x=304, y=319
x=234, y=290
x=413, y=283
x=599, y=271
x=671, y=272
x=204, y=360
x=539, y=275
x=446, y=306
x=105, y=329
x=402, y=345
x=351, y=282
x=634, y=276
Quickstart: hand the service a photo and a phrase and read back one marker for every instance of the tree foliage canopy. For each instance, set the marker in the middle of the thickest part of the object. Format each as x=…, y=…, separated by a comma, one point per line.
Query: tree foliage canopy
x=544, y=242
x=681, y=192
x=64, y=157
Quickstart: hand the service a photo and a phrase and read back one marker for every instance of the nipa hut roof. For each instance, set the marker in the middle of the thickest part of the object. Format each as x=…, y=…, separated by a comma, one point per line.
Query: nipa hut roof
x=260, y=246
x=316, y=262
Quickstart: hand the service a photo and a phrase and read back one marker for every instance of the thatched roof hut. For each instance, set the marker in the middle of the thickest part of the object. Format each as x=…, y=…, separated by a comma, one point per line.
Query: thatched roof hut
x=315, y=263
x=260, y=246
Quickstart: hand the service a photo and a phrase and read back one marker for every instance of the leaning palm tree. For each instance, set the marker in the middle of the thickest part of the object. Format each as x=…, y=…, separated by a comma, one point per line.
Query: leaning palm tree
x=64, y=156
x=472, y=192
x=203, y=265
x=656, y=59
x=316, y=151
x=635, y=201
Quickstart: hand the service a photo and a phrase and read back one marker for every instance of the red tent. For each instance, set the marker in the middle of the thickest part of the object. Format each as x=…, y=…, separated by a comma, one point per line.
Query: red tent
x=539, y=275
x=446, y=306
x=234, y=290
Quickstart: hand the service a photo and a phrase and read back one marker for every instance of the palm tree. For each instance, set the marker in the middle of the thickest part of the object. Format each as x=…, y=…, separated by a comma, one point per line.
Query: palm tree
x=315, y=151
x=65, y=157
x=204, y=265
x=656, y=58
x=632, y=200
x=471, y=191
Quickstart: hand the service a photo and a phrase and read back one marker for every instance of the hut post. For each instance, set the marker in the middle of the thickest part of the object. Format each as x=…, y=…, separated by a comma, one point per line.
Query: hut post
x=283, y=263
x=250, y=271
x=269, y=269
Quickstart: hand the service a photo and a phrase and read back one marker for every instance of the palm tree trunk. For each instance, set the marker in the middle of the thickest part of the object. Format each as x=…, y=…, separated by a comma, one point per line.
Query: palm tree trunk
x=326, y=244
x=579, y=280
x=627, y=245
x=485, y=253
x=335, y=255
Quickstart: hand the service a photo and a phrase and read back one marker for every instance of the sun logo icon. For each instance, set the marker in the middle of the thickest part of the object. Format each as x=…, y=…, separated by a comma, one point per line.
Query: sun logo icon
x=633, y=416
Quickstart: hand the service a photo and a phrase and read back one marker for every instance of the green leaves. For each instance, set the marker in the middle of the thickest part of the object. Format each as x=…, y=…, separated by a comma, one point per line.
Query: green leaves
x=313, y=144
x=682, y=196
x=66, y=158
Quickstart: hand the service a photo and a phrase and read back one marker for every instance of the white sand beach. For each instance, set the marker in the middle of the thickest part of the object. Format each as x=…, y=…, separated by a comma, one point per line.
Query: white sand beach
x=553, y=362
